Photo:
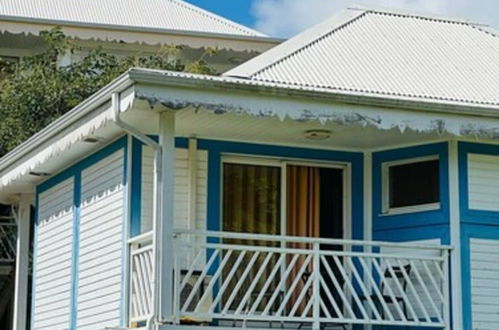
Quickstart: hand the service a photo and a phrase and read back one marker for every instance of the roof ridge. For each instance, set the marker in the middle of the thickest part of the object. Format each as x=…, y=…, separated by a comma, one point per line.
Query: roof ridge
x=413, y=14
x=218, y=18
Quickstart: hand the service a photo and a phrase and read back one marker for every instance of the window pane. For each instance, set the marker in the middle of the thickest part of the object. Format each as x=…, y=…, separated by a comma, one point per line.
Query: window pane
x=414, y=184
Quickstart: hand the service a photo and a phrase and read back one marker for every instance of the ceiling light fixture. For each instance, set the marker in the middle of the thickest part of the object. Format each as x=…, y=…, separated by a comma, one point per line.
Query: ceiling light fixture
x=92, y=139
x=317, y=134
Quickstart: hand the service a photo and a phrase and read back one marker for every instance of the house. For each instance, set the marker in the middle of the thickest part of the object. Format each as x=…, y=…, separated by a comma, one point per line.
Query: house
x=345, y=179
x=128, y=27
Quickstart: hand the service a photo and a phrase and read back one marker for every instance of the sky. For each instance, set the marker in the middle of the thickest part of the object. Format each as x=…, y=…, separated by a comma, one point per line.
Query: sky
x=285, y=18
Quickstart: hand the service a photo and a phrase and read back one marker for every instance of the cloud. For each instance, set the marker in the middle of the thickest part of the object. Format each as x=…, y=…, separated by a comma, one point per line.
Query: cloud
x=285, y=18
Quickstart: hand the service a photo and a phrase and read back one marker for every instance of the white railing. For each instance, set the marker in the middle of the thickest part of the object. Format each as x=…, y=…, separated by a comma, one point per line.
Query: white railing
x=261, y=278
x=141, y=272
x=8, y=238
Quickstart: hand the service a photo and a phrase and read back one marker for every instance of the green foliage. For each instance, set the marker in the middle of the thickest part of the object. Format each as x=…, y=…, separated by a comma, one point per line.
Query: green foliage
x=37, y=90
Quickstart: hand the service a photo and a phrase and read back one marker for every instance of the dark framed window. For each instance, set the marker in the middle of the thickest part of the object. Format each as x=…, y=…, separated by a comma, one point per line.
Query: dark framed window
x=413, y=184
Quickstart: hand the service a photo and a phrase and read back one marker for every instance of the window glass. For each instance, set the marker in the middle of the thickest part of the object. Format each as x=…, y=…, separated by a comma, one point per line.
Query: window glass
x=414, y=184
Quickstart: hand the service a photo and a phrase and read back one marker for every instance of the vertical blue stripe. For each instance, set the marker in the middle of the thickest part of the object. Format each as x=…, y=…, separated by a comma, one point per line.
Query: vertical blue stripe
x=136, y=202
x=76, y=250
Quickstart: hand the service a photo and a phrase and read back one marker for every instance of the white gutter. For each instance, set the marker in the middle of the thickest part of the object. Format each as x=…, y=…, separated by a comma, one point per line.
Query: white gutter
x=157, y=206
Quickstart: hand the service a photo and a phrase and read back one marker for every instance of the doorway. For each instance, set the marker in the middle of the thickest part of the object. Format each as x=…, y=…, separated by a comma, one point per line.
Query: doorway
x=281, y=198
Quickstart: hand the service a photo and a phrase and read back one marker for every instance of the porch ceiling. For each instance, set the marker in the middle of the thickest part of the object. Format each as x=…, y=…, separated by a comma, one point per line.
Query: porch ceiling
x=272, y=130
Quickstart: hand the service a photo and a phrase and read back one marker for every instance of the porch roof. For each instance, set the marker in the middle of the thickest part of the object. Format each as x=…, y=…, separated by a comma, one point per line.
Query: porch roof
x=388, y=54
x=141, y=90
x=160, y=14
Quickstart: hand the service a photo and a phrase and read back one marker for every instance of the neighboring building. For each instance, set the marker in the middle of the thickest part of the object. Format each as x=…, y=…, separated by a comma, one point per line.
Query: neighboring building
x=128, y=27
x=348, y=178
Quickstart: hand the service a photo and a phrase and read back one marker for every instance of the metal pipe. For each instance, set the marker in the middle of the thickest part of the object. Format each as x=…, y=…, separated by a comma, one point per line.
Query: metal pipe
x=153, y=319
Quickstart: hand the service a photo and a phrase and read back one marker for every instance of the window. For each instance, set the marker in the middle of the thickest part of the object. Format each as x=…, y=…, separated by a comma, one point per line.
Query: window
x=411, y=185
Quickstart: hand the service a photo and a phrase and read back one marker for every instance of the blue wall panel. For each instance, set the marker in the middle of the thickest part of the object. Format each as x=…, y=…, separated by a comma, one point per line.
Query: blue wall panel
x=415, y=225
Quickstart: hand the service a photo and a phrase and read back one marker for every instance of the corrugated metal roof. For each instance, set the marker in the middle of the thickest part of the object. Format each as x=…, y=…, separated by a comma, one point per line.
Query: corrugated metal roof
x=387, y=53
x=159, y=14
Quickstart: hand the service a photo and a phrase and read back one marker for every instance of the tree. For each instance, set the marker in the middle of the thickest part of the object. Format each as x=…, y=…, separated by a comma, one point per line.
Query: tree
x=37, y=90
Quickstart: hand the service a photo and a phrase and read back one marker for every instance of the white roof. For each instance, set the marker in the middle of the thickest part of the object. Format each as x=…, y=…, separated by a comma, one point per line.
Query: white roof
x=387, y=54
x=158, y=14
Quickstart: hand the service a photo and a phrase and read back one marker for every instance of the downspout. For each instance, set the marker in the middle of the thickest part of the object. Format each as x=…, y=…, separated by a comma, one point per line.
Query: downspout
x=157, y=207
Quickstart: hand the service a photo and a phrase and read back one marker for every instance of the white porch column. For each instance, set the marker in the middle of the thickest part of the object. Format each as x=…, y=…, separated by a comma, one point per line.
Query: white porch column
x=167, y=142
x=22, y=262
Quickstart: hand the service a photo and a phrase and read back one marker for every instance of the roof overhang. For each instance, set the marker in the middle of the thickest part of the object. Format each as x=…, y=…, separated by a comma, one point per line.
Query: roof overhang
x=161, y=90
x=137, y=34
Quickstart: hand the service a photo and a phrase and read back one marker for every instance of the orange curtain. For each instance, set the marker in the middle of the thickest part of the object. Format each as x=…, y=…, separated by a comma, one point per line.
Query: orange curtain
x=303, y=218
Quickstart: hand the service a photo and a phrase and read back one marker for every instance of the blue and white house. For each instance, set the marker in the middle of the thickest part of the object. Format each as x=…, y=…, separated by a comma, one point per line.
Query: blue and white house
x=345, y=179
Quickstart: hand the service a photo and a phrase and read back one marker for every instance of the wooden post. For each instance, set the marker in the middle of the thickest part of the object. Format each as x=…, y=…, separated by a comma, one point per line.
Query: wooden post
x=167, y=142
x=22, y=262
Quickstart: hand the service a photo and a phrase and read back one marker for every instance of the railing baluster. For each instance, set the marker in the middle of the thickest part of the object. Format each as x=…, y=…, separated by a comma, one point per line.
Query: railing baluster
x=338, y=287
x=374, y=287
x=294, y=283
x=401, y=289
x=349, y=285
x=227, y=281
x=236, y=289
x=366, y=293
x=283, y=279
x=425, y=290
x=414, y=292
x=248, y=293
x=388, y=287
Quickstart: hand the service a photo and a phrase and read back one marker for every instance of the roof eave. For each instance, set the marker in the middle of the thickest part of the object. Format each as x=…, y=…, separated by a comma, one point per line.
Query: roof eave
x=102, y=96
x=221, y=84
x=349, y=97
x=114, y=27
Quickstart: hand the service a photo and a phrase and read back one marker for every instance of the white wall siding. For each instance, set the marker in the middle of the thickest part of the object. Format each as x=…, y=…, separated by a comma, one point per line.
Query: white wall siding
x=484, y=255
x=483, y=182
x=181, y=189
x=52, y=293
x=101, y=244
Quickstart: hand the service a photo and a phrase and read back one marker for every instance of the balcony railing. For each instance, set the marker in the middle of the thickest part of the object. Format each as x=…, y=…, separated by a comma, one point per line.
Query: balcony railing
x=141, y=277
x=8, y=238
x=246, y=279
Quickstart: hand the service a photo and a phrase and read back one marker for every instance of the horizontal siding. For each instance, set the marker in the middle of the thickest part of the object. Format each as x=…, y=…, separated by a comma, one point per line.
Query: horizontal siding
x=181, y=188
x=484, y=255
x=101, y=242
x=483, y=181
x=54, y=257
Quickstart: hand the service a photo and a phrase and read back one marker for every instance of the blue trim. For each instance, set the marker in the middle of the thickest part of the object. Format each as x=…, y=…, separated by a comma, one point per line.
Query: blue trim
x=75, y=172
x=438, y=231
x=468, y=231
x=217, y=148
x=468, y=215
x=424, y=218
x=136, y=202
x=76, y=250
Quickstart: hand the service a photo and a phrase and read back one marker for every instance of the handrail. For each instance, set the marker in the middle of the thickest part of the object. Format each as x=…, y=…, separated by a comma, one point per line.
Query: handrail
x=254, y=248
x=141, y=238
x=310, y=240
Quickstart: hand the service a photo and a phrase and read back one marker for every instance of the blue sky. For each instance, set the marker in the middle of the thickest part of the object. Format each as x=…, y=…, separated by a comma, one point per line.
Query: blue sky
x=285, y=18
